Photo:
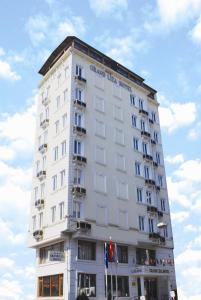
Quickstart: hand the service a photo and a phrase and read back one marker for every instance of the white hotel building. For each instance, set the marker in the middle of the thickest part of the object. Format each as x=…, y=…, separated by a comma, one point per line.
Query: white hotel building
x=98, y=173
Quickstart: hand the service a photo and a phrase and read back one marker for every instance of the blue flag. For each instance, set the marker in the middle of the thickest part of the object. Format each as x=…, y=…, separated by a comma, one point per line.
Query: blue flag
x=106, y=255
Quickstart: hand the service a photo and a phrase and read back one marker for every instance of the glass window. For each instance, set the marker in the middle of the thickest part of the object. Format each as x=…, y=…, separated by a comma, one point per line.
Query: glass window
x=77, y=209
x=62, y=175
x=132, y=99
x=54, y=182
x=64, y=120
x=57, y=127
x=79, y=94
x=151, y=225
x=122, y=286
x=122, y=252
x=65, y=95
x=135, y=144
x=86, y=284
x=78, y=71
x=141, y=223
x=55, y=153
x=149, y=197
x=139, y=194
x=42, y=190
x=142, y=124
x=63, y=148
x=145, y=257
x=58, y=102
x=158, y=159
x=137, y=168
x=146, y=172
x=33, y=223
x=49, y=286
x=78, y=119
x=78, y=176
x=53, y=210
x=61, y=210
x=141, y=103
x=86, y=250
x=162, y=204
x=36, y=193
x=40, y=220
x=144, y=148
x=160, y=180
x=77, y=147
x=134, y=121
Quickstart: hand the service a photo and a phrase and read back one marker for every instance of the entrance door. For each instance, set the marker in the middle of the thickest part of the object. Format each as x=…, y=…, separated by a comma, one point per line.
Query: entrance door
x=150, y=286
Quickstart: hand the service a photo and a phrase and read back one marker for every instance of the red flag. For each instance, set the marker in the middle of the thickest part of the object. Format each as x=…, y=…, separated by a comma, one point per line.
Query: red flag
x=111, y=253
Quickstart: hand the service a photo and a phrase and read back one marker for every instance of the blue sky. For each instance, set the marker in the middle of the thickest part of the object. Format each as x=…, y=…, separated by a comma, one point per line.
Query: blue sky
x=161, y=41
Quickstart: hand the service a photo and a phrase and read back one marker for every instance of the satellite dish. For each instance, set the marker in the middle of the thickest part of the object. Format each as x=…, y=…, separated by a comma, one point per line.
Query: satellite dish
x=161, y=225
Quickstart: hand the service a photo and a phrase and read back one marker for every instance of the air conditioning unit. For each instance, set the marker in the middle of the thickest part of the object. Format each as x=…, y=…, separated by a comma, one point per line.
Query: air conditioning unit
x=38, y=234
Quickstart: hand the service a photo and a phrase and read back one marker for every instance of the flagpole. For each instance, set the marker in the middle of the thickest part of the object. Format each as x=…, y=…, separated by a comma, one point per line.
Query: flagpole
x=106, y=283
x=116, y=262
x=111, y=281
x=106, y=267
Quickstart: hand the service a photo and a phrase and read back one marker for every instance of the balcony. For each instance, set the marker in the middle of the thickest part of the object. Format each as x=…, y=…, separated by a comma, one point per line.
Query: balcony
x=78, y=191
x=145, y=133
x=150, y=182
x=43, y=148
x=160, y=214
x=152, y=209
x=44, y=123
x=153, y=142
x=56, y=255
x=39, y=203
x=158, y=188
x=154, y=235
x=79, y=159
x=155, y=164
x=38, y=234
x=45, y=101
x=148, y=157
x=83, y=226
x=41, y=175
x=151, y=121
x=143, y=112
x=79, y=130
x=79, y=104
x=80, y=79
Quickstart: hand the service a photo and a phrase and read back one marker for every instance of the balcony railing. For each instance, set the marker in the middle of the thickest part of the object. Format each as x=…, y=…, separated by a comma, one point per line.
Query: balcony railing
x=79, y=159
x=79, y=104
x=154, y=235
x=38, y=234
x=39, y=203
x=78, y=191
x=41, y=175
x=80, y=79
x=79, y=130
x=145, y=133
x=150, y=182
x=83, y=226
x=44, y=123
x=148, y=157
x=152, y=209
x=42, y=148
x=143, y=112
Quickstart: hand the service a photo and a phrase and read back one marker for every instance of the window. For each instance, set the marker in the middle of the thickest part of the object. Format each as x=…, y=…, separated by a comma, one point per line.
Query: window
x=77, y=147
x=86, y=250
x=58, y=102
x=33, y=223
x=42, y=190
x=132, y=99
x=44, y=256
x=142, y=125
x=37, y=166
x=40, y=220
x=58, y=80
x=162, y=201
x=136, y=144
x=36, y=193
x=45, y=136
x=141, y=103
x=156, y=136
x=47, y=113
x=63, y=148
x=77, y=209
x=148, y=196
x=78, y=177
x=62, y=176
x=78, y=119
x=145, y=257
x=44, y=163
x=61, y=210
x=53, y=211
x=86, y=284
x=78, y=71
x=122, y=285
x=158, y=159
x=79, y=94
x=54, y=182
x=39, y=141
x=137, y=168
x=49, y=286
x=144, y=148
x=139, y=194
x=41, y=117
x=55, y=153
x=64, y=120
x=57, y=127
x=122, y=253
x=65, y=95
x=153, y=116
x=134, y=121
x=151, y=225
x=160, y=180
x=119, y=136
x=141, y=223
x=165, y=232
x=146, y=172
x=66, y=72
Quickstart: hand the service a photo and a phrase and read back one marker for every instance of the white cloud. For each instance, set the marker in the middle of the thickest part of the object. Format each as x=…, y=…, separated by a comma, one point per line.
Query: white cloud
x=75, y=26
x=196, y=31
x=8, y=236
x=179, y=158
x=190, y=228
x=172, y=12
x=6, y=262
x=2, y=52
x=189, y=170
x=195, y=132
x=177, y=115
x=10, y=289
x=188, y=257
x=6, y=71
x=37, y=28
x=179, y=217
x=103, y=7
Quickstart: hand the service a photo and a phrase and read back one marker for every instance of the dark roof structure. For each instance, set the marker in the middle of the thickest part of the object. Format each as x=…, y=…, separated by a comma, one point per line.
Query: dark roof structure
x=72, y=41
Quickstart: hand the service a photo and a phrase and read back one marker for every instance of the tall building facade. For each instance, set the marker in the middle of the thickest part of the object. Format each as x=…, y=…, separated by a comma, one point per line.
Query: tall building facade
x=98, y=173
